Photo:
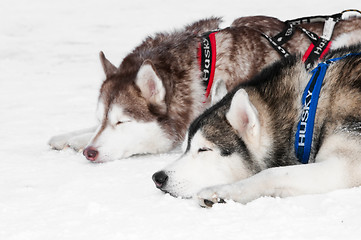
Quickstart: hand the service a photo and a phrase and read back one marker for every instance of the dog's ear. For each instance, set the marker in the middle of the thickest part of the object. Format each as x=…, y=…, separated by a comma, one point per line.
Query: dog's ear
x=243, y=117
x=108, y=67
x=151, y=86
x=219, y=90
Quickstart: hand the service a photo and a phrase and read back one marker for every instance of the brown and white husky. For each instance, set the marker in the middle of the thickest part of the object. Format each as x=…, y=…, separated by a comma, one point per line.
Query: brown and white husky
x=147, y=103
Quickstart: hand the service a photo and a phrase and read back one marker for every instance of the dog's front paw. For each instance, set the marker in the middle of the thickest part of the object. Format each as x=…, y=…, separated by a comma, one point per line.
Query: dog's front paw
x=78, y=143
x=75, y=142
x=208, y=197
x=59, y=142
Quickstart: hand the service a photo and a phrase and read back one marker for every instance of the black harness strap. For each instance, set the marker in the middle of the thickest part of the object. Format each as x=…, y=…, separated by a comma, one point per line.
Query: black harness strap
x=285, y=35
x=318, y=18
x=311, y=35
x=319, y=45
x=282, y=51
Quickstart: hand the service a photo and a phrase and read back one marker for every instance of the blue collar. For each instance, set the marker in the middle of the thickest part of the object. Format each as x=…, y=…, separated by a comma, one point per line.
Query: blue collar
x=304, y=134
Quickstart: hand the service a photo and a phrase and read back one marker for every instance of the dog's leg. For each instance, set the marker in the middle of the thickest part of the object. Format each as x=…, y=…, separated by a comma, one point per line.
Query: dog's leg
x=76, y=140
x=336, y=167
x=79, y=142
x=278, y=182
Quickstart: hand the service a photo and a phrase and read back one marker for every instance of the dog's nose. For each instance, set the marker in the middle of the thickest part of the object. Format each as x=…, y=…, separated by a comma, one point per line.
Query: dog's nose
x=160, y=179
x=90, y=153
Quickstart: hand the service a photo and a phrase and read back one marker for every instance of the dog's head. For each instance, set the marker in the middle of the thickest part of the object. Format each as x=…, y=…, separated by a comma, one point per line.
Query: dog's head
x=144, y=105
x=225, y=144
x=130, y=106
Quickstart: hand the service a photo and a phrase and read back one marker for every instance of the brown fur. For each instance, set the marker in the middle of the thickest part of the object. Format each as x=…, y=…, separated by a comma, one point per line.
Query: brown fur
x=241, y=53
x=249, y=52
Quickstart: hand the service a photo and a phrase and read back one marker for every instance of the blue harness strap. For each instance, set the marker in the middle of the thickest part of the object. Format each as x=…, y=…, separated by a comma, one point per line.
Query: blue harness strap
x=304, y=134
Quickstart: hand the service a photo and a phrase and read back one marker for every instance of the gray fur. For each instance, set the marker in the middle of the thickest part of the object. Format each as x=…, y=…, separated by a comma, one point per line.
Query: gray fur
x=276, y=95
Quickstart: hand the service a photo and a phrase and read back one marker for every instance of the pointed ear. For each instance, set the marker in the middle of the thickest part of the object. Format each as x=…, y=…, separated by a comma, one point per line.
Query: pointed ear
x=219, y=90
x=150, y=85
x=108, y=67
x=243, y=117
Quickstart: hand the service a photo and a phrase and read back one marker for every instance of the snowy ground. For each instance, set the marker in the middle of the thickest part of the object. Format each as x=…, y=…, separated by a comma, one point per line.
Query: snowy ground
x=49, y=80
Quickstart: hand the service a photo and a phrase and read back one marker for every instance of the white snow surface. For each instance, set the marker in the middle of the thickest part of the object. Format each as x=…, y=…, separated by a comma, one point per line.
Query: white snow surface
x=50, y=76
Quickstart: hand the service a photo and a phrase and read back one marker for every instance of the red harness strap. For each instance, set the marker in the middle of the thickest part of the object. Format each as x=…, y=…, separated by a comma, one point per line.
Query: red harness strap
x=311, y=47
x=207, y=59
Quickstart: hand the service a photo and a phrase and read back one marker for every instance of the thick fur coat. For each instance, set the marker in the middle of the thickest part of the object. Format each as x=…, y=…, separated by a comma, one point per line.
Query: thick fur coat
x=158, y=85
x=242, y=148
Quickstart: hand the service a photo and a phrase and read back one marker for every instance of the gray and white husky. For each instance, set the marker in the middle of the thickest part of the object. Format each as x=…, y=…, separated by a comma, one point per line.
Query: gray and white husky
x=243, y=147
x=147, y=103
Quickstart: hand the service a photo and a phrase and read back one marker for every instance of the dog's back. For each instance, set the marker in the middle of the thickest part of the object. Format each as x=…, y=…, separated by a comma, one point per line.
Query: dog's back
x=160, y=81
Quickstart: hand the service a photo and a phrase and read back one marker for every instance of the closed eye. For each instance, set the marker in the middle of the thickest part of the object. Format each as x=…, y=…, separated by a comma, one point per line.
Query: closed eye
x=204, y=149
x=121, y=122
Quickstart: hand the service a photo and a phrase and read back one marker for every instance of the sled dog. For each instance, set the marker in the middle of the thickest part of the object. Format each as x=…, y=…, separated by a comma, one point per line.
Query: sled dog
x=244, y=147
x=147, y=103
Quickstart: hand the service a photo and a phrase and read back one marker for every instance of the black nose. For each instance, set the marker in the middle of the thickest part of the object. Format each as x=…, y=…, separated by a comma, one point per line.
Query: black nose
x=160, y=179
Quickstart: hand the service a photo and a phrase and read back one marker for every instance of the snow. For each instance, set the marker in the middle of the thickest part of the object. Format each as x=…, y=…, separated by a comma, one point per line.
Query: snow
x=49, y=80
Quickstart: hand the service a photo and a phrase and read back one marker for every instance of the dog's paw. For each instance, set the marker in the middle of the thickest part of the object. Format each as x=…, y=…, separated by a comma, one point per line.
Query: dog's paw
x=59, y=142
x=75, y=142
x=209, y=196
x=78, y=143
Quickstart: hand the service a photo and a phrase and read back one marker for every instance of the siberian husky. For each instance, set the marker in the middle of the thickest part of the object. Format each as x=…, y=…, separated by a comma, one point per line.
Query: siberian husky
x=147, y=103
x=244, y=147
